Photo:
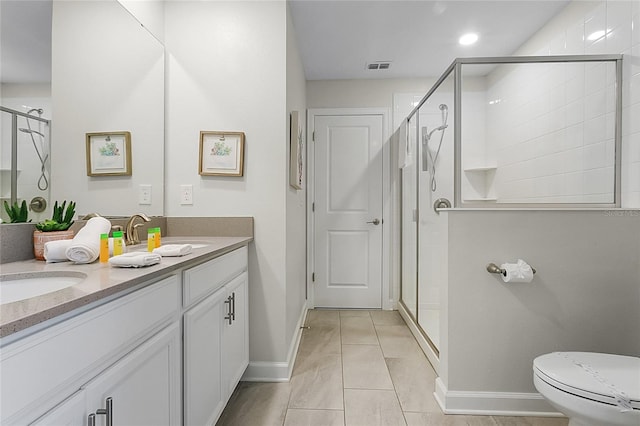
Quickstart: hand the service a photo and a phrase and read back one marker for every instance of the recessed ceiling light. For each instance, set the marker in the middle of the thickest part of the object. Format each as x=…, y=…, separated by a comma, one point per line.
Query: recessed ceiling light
x=468, y=39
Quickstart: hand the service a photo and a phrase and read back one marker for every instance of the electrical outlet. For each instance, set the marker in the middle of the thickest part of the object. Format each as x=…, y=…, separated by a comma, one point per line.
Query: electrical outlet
x=186, y=194
x=144, y=194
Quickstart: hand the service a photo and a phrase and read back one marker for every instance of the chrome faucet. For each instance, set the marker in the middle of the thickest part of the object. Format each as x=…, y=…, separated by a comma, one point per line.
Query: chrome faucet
x=131, y=229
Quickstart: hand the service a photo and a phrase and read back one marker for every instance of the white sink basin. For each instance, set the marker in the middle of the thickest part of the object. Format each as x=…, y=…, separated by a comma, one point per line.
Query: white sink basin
x=21, y=286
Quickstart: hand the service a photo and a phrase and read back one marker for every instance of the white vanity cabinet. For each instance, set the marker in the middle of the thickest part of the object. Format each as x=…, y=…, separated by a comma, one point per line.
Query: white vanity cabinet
x=168, y=351
x=143, y=388
x=127, y=349
x=216, y=346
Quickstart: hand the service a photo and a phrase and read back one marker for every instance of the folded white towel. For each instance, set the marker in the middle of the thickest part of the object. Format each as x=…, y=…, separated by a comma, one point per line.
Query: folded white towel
x=135, y=259
x=55, y=251
x=169, y=250
x=85, y=246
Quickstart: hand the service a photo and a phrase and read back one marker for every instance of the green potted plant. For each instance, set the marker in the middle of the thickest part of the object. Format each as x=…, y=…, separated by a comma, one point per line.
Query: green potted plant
x=56, y=228
x=17, y=213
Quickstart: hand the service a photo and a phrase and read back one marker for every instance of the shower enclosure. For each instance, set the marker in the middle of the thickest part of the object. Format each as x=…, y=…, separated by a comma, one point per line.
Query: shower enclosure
x=24, y=160
x=495, y=133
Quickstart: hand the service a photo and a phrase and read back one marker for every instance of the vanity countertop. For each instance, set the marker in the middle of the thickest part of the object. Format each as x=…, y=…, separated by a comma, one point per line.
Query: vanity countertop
x=102, y=281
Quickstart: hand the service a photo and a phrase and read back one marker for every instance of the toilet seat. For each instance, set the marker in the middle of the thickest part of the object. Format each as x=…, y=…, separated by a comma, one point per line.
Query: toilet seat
x=605, y=378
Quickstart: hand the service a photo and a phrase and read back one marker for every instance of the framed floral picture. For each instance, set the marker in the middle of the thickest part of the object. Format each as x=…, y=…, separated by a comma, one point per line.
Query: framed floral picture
x=296, y=157
x=221, y=153
x=108, y=154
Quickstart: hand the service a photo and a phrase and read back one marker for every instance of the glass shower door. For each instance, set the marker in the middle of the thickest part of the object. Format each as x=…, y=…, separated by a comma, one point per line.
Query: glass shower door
x=409, y=271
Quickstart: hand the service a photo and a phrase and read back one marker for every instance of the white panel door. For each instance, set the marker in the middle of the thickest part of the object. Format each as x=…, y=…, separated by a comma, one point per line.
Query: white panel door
x=348, y=211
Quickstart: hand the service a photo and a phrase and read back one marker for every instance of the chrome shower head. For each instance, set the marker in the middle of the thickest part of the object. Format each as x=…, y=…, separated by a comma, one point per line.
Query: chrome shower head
x=31, y=131
x=40, y=111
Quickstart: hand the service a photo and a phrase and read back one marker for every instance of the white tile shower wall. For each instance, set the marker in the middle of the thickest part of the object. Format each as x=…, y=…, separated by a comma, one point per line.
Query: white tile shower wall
x=568, y=34
x=552, y=138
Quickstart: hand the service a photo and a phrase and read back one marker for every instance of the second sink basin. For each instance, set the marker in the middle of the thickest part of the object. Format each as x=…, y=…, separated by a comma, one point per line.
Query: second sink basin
x=21, y=286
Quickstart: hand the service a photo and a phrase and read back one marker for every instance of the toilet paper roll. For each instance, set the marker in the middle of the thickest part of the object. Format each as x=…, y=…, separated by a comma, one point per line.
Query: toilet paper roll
x=520, y=272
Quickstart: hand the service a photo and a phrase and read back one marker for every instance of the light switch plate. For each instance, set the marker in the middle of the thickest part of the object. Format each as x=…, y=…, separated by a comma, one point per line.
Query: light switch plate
x=144, y=194
x=186, y=194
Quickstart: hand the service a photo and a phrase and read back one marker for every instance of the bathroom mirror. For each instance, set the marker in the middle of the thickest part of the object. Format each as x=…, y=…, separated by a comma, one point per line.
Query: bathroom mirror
x=107, y=75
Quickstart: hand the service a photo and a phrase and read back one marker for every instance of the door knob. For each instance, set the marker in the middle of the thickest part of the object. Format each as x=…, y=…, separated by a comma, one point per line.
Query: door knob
x=375, y=221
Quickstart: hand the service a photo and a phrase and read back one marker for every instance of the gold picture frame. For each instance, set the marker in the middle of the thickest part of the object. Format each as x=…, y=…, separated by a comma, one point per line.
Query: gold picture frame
x=221, y=153
x=108, y=154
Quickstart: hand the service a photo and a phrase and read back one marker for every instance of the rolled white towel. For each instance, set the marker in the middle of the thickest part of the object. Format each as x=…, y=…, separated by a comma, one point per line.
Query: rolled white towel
x=172, y=250
x=55, y=251
x=135, y=259
x=85, y=246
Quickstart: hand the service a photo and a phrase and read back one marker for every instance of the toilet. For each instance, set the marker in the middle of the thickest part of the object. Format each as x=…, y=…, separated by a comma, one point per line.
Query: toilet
x=592, y=389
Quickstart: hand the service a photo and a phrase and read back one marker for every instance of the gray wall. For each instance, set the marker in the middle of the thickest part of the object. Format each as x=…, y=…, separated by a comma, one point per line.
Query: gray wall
x=584, y=297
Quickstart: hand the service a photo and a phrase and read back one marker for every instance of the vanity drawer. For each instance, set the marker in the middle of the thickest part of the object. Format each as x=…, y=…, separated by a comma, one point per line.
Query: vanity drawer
x=206, y=278
x=56, y=361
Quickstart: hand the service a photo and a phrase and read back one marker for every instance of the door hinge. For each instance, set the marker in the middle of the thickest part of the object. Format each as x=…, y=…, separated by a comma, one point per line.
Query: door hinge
x=313, y=136
x=313, y=277
x=313, y=207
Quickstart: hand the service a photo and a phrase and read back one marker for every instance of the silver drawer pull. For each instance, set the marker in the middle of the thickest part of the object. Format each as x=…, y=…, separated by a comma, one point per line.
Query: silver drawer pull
x=108, y=412
x=233, y=306
x=229, y=316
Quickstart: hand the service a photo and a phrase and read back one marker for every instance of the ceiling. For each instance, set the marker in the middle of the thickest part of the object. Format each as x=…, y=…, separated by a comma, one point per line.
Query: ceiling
x=338, y=38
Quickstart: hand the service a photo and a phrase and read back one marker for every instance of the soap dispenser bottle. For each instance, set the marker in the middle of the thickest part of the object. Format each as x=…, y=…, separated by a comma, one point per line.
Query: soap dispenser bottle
x=151, y=239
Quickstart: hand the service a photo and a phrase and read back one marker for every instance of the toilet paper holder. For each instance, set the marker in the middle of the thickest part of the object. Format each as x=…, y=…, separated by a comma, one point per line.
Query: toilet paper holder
x=495, y=269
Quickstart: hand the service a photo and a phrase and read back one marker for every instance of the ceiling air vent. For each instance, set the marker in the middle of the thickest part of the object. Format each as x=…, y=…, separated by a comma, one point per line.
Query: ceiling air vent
x=380, y=65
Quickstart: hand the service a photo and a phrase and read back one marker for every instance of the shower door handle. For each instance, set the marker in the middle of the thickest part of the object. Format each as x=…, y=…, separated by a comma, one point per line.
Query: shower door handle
x=375, y=221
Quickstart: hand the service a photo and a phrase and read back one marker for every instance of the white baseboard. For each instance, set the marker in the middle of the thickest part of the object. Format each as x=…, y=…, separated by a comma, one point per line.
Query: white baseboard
x=422, y=342
x=492, y=403
x=265, y=371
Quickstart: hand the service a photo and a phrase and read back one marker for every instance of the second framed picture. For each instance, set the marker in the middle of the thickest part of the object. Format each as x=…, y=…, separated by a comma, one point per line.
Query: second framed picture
x=221, y=153
x=108, y=154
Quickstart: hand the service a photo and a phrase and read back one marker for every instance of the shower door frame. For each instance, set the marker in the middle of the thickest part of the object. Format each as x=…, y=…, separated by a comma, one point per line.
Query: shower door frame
x=427, y=345
x=457, y=133
x=456, y=68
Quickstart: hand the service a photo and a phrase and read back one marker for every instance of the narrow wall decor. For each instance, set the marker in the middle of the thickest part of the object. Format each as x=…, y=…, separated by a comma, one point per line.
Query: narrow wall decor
x=296, y=158
x=221, y=153
x=108, y=154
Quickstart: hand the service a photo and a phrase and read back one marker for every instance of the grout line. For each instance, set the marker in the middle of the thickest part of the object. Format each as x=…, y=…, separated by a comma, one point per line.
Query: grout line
x=395, y=391
x=344, y=400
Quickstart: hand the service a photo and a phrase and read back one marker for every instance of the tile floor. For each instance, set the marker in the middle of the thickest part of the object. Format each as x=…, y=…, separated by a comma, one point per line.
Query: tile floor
x=355, y=368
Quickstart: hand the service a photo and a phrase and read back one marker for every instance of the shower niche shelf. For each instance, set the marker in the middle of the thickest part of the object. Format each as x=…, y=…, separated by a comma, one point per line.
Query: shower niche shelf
x=480, y=169
x=478, y=183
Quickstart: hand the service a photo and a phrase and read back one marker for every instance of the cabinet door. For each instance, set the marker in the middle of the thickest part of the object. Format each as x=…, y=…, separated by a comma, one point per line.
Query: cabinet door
x=235, y=335
x=144, y=386
x=71, y=412
x=203, y=395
